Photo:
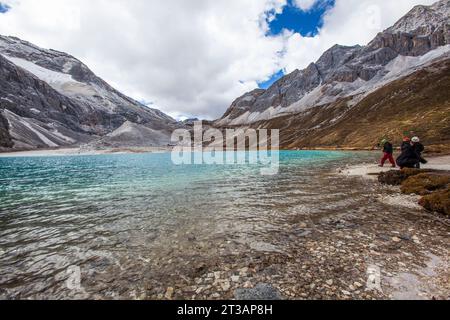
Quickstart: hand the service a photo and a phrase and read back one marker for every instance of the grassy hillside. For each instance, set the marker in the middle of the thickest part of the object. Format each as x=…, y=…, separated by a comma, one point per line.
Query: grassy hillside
x=417, y=104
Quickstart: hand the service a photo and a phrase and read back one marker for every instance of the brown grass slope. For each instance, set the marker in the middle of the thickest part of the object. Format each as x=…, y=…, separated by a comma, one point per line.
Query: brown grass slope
x=418, y=104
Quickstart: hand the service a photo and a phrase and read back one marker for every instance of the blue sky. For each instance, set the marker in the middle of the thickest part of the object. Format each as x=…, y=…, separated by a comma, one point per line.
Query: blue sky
x=273, y=78
x=4, y=7
x=306, y=23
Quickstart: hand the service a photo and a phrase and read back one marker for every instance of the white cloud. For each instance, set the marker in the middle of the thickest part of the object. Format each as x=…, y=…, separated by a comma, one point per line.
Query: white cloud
x=189, y=57
x=305, y=5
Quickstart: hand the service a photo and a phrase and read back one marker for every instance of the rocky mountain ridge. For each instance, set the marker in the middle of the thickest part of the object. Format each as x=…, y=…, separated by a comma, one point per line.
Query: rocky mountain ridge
x=419, y=37
x=51, y=99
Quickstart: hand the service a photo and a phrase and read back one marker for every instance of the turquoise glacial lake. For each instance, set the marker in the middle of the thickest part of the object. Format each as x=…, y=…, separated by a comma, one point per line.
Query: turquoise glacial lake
x=133, y=222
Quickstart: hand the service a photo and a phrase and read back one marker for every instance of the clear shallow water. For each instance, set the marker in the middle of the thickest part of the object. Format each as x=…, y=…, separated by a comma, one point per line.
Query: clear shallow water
x=131, y=222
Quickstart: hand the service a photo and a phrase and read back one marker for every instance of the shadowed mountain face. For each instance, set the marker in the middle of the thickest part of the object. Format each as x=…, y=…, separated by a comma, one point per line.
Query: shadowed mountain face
x=418, y=103
x=344, y=76
x=50, y=99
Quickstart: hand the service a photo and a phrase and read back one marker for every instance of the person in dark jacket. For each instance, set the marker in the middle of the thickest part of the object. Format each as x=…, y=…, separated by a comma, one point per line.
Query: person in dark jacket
x=419, y=149
x=409, y=157
x=388, y=153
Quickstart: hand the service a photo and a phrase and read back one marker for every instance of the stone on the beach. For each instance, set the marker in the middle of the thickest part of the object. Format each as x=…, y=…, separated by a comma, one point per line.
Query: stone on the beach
x=169, y=293
x=243, y=271
x=261, y=292
x=303, y=225
x=303, y=234
x=226, y=286
x=346, y=293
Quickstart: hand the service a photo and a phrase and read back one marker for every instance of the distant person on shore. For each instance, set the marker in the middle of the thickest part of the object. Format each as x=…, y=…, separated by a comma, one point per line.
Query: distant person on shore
x=409, y=157
x=388, y=150
x=419, y=149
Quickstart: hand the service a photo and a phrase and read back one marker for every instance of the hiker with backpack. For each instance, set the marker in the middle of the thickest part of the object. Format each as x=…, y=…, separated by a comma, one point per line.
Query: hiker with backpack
x=388, y=153
x=409, y=158
x=419, y=149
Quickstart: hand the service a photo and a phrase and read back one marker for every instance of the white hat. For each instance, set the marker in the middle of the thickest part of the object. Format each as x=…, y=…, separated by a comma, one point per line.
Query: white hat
x=415, y=139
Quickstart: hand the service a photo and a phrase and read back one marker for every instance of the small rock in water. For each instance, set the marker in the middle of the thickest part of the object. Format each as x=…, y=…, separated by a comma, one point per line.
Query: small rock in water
x=261, y=292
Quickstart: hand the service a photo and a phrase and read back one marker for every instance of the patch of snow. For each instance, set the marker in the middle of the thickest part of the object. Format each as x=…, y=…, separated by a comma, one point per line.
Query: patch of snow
x=63, y=137
x=61, y=82
x=68, y=66
x=247, y=117
x=398, y=68
x=423, y=17
x=307, y=101
x=43, y=138
x=403, y=65
x=53, y=78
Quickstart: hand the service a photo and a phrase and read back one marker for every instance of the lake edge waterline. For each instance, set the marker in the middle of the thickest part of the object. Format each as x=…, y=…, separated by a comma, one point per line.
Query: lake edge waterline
x=80, y=151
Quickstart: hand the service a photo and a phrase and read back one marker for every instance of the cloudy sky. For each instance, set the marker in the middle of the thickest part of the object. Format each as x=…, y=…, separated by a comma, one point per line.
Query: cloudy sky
x=193, y=58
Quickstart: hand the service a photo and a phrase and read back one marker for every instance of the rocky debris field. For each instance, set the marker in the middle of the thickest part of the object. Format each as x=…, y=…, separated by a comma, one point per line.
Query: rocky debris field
x=374, y=250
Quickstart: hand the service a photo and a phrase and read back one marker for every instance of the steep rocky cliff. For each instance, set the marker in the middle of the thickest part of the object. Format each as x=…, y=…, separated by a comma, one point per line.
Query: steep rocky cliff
x=416, y=104
x=421, y=36
x=50, y=99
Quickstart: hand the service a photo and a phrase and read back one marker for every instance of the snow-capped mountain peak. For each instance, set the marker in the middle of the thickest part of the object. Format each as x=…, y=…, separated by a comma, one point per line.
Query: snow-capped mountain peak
x=424, y=19
x=46, y=94
x=341, y=72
